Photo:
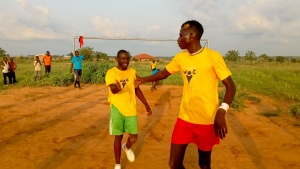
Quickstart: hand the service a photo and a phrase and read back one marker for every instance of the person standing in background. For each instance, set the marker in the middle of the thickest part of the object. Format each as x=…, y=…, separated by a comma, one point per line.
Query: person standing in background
x=37, y=68
x=12, y=73
x=5, y=70
x=77, y=64
x=47, y=62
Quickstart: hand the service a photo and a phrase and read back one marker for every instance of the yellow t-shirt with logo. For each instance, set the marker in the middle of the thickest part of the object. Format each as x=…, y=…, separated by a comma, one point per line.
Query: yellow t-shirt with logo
x=124, y=100
x=201, y=74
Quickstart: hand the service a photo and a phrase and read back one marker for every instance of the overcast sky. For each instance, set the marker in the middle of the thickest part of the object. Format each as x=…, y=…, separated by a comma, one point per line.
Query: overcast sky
x=262, y=26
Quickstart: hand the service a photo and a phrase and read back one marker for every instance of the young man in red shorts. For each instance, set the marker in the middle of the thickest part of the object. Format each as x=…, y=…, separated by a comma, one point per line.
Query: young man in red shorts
x=201, y=118
x=122, y=98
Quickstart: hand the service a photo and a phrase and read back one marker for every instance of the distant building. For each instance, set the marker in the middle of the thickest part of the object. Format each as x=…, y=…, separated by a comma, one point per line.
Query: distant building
x=144, y=57
x=67, y=57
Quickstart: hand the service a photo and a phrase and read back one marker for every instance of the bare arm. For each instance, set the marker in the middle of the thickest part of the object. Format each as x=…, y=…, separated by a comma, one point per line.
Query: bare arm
x=71, y=69
x=142, y=98
x=87, y=53
x=156, y=77
x=220, y=122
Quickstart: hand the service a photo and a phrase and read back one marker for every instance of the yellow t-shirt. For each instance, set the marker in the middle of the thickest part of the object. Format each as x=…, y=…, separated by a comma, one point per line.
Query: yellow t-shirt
x=153, y=65
x=201, y=74
x=125, y=100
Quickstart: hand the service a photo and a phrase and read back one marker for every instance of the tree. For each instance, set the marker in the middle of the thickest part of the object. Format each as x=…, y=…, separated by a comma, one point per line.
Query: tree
x=71, y=54
x=250, y=56
x=232, y=55
x=84, y=50
x=280, y=59
x=264, y=57
x=101, y=56
x=2, y=52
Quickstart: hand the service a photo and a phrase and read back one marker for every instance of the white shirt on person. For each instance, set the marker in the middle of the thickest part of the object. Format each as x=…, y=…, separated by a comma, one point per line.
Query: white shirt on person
x=37, y=66
x=5, y=68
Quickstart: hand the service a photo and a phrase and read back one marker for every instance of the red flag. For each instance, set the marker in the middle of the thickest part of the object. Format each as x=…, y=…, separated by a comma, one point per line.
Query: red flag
x=80, y=41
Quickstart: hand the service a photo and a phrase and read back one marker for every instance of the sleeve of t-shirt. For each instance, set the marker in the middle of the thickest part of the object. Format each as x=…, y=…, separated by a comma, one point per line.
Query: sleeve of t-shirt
x=173, y=67
x=109, y=78
x=220, y=67
x=72, y=60
x=134, y=73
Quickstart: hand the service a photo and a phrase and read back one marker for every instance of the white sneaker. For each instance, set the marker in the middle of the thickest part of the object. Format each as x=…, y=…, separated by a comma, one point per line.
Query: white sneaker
x=118, y=166
x=129, y=153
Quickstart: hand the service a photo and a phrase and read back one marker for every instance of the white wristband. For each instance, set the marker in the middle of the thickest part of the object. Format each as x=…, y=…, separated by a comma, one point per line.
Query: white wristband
x=224, y=106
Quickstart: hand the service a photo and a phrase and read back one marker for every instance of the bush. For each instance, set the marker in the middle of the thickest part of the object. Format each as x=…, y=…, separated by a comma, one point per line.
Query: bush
x=295, y=110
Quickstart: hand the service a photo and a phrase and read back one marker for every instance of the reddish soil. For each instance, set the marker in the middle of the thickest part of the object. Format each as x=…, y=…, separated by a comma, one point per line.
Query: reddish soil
x=67, y=128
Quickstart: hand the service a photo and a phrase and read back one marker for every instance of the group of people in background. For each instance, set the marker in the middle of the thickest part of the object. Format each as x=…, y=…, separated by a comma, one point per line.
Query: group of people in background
x=8, y=71
x=37, y=65
x=9, y=68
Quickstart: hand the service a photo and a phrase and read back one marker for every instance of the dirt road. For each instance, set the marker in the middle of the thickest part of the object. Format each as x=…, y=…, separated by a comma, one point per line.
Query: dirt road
x=67, y=128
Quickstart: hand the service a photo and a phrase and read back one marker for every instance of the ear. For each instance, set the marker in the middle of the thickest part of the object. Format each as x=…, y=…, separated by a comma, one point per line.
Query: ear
x=192, y=35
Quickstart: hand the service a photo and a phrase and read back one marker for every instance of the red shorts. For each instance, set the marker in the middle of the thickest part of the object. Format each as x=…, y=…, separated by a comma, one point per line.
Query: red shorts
x=202, y=135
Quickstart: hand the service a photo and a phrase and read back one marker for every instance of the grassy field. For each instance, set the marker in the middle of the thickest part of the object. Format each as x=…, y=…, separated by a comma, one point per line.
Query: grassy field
x=277, y=80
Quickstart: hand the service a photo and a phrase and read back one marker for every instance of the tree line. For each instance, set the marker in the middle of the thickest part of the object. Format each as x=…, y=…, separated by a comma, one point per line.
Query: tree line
x=231, y=55
x=234, y=55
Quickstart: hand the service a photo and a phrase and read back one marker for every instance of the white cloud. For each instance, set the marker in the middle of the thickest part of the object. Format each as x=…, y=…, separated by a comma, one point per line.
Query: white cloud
x=108, y=28
x=31, y=21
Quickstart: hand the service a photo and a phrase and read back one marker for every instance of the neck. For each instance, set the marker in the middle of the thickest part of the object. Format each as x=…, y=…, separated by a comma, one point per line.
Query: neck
x=197, y=52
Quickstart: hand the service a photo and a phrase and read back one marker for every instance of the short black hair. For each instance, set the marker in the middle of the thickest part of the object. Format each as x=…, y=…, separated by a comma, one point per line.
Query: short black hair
x=195, y=26
x=121, y=51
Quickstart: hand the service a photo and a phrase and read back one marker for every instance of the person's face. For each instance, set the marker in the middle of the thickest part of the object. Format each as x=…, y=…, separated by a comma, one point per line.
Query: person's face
x=48, y=53
x=37, y=58
x=123, y=61
x=184, y=39
x=76, y=53
x=11, y=59
x=5, y=59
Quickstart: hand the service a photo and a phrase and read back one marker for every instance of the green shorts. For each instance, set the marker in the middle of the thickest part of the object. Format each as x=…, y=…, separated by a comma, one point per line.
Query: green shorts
x=120, y=124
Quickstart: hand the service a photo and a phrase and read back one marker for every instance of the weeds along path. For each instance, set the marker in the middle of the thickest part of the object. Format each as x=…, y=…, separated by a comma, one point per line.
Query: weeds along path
x=64, y=127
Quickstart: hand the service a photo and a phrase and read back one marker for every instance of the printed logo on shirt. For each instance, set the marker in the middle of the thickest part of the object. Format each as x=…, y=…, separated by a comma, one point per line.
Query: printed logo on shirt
x=124, y=81
x=189, y=73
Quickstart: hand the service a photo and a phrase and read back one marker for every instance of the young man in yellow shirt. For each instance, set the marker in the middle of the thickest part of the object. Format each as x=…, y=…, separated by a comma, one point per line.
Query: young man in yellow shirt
x=201, y=118
x=122, y=98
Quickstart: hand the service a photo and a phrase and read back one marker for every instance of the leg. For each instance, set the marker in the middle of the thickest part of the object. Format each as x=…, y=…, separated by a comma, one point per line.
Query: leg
x=177, y=155
x=14, y=78
x=204, y=159
x=131, y=140
x=117, y=148
x=4, y=78
x=78, y=77
x=10, y=77
x=78, y=81
x=127, y=147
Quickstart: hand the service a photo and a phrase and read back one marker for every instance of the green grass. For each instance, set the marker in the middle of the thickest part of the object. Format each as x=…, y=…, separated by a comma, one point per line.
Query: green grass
x=278, y=80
